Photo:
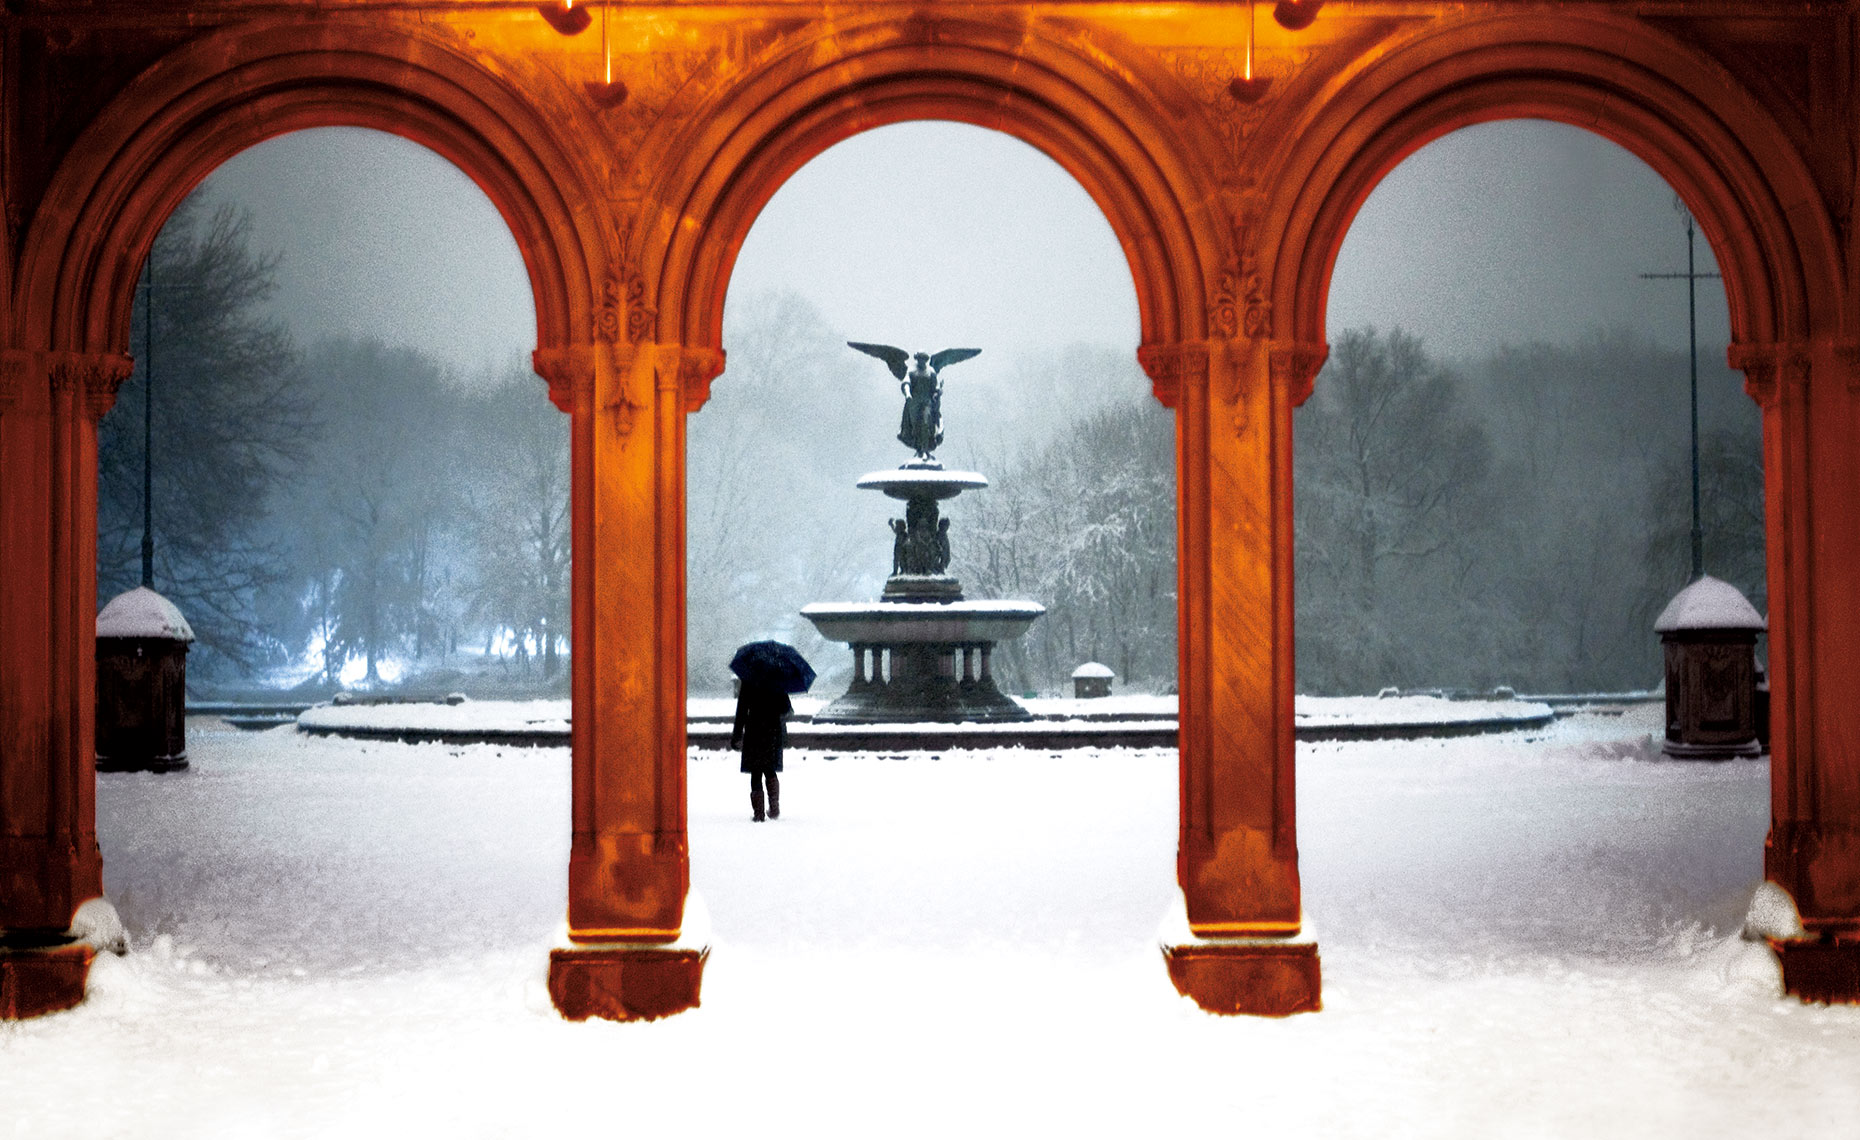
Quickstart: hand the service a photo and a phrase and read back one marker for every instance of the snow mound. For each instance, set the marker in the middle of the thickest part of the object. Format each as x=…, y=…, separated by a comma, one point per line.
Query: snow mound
x=1709, y=603
x=96, y=923
x=1772, y=914
x=142, y=612
x=1093, y=669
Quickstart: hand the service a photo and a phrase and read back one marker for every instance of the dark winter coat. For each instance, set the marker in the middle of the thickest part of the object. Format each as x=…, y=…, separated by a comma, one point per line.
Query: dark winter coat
x=760, y=730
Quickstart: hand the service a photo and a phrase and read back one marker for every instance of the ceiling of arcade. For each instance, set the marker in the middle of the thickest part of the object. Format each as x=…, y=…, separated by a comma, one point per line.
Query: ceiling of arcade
x=633, y=97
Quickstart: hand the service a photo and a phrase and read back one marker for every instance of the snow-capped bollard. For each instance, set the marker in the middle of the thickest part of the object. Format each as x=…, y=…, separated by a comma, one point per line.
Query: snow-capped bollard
x=141, y=684
x=1709, y=634
x=1092, y=680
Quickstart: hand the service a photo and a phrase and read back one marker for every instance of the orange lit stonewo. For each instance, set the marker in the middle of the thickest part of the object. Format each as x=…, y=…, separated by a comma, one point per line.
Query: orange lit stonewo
x=1230, y=189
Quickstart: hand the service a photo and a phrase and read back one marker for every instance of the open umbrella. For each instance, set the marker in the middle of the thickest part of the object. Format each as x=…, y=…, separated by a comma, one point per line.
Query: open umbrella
x=774, y=664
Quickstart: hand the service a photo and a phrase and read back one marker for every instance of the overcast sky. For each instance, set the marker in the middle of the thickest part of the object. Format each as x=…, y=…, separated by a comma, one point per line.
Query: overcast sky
x=929, y=235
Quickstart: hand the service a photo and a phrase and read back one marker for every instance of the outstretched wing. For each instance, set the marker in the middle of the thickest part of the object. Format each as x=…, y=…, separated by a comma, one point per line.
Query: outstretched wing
x=952, y=356
x=896, y=358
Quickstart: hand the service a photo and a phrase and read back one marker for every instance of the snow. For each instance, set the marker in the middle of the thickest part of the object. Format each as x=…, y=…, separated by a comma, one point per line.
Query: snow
x=1093, y=669
x=1709, y=603
x=142, y=612
x=478, y=716
x=1327, y=712
x=1521, y=935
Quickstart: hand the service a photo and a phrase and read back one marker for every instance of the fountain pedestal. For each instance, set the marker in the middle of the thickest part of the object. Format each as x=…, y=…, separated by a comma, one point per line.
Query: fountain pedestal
x=922, y=652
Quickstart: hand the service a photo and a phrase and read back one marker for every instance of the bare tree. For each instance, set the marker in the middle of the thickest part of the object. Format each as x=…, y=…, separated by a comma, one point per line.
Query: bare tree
x=230, y=427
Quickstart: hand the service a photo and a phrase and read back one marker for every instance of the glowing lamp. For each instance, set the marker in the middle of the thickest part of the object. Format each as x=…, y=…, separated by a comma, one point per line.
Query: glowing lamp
x=564, y=17
x=1296, y=15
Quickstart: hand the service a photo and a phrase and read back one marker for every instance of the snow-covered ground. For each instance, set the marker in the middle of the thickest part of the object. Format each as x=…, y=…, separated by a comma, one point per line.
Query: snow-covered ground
x=1528, y=935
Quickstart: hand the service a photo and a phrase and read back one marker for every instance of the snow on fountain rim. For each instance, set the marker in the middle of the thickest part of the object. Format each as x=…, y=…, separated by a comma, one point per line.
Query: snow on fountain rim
x=978, y=608
x=922, y=478
x=142, y=612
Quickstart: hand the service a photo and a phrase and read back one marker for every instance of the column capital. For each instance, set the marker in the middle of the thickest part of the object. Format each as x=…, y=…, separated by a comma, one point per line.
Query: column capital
x=1172, y=368
x=569, y=369
x=1775, y=374
x=93, y=377
x=697, y=367
x=1295, y=365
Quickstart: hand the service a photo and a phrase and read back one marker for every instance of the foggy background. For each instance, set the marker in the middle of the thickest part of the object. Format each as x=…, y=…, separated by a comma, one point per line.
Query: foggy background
x=1488, y=496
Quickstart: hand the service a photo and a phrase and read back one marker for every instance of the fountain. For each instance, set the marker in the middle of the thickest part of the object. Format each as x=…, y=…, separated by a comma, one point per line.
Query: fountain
x=922, y=651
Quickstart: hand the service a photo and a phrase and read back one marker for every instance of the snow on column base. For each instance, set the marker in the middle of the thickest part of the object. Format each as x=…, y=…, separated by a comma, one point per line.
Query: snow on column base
x=631, y=981
x=37, y=980
x=1265, y=977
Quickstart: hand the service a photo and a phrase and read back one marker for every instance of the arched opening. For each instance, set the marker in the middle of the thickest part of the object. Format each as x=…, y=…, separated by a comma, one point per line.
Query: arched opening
x=360, y=492
x=1493, y=507
x=1001, y=250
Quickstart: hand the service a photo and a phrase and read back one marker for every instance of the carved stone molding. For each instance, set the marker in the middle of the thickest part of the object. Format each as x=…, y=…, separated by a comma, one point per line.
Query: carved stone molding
x=570, y=373
x=1775, y=375
x=696, y=369
x=1174, y=367
x=1295, y=367
x=92, y=377
x=1239, y=306
x=15, y=366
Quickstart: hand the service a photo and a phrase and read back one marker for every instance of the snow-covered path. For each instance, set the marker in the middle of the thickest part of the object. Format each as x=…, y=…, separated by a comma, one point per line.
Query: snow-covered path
x=1520, y=937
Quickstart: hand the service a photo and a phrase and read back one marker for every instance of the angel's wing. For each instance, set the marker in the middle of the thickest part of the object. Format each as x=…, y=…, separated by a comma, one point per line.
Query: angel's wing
x=951, y=356
x=896, y=358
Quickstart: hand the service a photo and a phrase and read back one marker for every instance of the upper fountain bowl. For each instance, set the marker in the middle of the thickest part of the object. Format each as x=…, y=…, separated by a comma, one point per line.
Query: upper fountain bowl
x=923, y=482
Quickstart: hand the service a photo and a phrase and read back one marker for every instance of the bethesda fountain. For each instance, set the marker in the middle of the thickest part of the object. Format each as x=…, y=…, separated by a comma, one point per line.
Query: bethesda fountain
x=922, y=651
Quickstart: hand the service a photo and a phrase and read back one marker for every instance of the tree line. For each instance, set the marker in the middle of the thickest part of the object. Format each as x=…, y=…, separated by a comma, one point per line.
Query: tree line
x=351, y=509
x=349, y=506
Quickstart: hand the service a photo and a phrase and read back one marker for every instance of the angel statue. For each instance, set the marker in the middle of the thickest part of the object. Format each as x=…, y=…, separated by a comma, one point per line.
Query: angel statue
x=921, y=428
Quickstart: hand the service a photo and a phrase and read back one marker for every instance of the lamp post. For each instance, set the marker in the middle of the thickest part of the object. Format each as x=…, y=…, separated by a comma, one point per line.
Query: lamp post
x=1692, y=277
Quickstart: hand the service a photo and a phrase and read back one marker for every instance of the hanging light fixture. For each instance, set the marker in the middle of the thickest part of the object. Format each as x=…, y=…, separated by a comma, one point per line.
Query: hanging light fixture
x=607, y=92
x=564, y=17
x=1248, y=88
x=1296, y=15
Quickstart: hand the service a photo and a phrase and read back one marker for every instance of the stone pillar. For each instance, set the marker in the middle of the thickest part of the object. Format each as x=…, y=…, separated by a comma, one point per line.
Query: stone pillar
x=1810, y=395
x=858, y=681
x=629, y=863
x=50, y=403
x=1241, y=947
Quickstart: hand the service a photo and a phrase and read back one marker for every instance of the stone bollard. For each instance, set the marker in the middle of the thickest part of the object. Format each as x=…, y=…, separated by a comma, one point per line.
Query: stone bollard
x=1092, y=680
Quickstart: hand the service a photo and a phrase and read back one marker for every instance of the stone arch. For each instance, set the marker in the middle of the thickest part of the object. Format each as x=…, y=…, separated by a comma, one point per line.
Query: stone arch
x=1101, y=128
x=175, y=124
x=1667, y=104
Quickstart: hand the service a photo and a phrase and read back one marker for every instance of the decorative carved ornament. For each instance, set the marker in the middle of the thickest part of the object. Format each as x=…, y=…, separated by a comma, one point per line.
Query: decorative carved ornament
x=93, y=378
x=1775, y=375
x=696, y=369
x=1239, y=307
x=1172, y=368
x=570, y=373
x=1207, y=74
x=623, y=311
x=1294, y=369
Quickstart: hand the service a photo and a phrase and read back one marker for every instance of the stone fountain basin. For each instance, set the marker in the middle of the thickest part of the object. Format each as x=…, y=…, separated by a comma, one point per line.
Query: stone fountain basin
x=896, y=623
x=923, y=482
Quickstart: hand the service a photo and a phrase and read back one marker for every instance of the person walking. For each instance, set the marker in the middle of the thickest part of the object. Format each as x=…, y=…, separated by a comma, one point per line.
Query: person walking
x=761, y=730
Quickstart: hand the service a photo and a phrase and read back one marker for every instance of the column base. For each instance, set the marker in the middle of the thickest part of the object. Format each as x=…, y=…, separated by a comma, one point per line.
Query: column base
x=1264, y=977
x=1819, y=969
x=631, y=981
x=37, y=980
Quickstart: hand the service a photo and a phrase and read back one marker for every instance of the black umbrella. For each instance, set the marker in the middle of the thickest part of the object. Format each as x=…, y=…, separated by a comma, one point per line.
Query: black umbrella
x=773, y=664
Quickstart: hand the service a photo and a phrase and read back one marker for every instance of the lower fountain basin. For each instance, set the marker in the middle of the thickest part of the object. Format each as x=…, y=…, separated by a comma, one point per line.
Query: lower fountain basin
x=950, y=623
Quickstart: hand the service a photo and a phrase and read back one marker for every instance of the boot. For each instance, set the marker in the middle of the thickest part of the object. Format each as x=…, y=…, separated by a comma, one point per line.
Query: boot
x=774, y=795
x=755, y=798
